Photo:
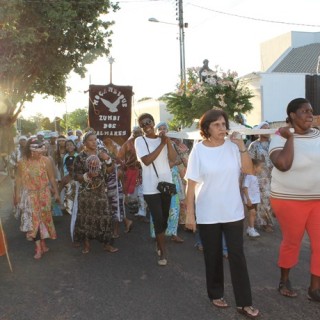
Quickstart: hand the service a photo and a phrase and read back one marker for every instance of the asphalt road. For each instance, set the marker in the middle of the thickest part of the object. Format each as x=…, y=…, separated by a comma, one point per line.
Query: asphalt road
x=66, y=284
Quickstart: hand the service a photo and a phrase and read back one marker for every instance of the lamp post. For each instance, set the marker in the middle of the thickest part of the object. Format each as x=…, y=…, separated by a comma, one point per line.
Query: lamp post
x=181, y=25
x=111, y=61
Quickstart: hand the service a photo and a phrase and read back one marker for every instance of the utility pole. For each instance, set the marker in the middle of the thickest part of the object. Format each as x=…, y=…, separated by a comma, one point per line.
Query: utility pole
x=181, y=40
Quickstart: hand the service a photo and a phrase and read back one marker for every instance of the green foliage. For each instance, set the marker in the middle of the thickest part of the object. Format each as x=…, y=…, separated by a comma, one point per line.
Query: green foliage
x=221, y=89
x=27, y=126
x=78, y=119
x=42, y=41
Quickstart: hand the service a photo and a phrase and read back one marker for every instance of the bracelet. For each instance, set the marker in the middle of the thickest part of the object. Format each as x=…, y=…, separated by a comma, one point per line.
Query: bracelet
x=243, y=151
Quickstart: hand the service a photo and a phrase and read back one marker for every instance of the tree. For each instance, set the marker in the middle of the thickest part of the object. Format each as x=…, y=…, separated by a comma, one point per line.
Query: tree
x=27, y=126
x=78, y=119
x=221, y=89
x=42, y=41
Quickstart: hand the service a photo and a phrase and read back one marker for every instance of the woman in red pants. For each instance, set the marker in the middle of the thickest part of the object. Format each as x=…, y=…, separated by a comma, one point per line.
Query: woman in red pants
x=295, y=193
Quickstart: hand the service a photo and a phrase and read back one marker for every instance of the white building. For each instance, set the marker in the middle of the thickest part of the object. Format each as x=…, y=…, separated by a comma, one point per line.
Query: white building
x=285, y=62
x=155, y=107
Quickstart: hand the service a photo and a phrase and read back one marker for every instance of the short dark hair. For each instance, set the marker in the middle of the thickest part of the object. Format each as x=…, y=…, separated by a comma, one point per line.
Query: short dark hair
x=211, y=116
x=294, y=105
x=144, y=116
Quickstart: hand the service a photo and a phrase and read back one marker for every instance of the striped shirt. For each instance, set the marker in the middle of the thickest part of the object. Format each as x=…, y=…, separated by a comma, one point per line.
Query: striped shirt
x=302, y=180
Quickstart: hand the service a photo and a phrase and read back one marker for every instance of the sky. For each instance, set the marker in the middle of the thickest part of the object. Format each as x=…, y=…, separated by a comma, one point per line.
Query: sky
x=147, y=54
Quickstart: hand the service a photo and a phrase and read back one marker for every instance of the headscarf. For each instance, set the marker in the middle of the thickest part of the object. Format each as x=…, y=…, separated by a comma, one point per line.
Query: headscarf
x=162, y=123
x=37, y=146
x=87, y=135
x=261, y=124
x=22, y=138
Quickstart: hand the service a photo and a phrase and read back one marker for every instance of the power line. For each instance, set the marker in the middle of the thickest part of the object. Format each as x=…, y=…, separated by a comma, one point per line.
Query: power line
x=255, y=19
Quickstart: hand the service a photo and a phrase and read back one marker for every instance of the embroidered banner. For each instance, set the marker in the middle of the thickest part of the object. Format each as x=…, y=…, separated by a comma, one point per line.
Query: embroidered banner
x=110, y=111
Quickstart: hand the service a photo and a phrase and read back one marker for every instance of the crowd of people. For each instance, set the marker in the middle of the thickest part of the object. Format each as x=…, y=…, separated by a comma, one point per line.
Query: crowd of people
x=210, y=189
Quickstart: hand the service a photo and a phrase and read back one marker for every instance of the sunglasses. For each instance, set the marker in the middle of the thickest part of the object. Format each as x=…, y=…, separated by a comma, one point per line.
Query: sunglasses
x=146, y=122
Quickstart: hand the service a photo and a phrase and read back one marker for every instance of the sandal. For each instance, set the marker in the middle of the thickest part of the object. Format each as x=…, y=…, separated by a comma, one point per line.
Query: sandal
x=286, y=289
x=220, y=303
x=314, y=295
x=177, y=239
x=110, y=248
x=162, y=262
x=249, y=311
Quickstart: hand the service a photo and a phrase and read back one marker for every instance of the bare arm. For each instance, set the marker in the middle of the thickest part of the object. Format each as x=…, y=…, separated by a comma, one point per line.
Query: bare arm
x=150, y=157
x=282, y=159
x=190, y=203
x=172, y=153
x=51, y=177
x=246, y=162
x=246, y=194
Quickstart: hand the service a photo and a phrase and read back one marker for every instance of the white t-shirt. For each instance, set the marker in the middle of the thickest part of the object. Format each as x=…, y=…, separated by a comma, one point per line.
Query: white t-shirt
x=216, y=171
x=302, y=180
x=149, y=177
x=251, y=182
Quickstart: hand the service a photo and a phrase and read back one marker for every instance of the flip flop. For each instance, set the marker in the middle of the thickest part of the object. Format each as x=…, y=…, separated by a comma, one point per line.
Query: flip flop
x=110, y=249
x=249, y=311
x=220, y=303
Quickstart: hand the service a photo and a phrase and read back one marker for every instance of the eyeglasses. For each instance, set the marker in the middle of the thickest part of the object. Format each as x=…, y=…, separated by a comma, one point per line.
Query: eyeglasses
x=146, y=122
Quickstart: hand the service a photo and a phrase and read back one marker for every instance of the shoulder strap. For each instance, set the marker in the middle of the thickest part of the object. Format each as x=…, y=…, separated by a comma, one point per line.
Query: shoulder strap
x=154, y=167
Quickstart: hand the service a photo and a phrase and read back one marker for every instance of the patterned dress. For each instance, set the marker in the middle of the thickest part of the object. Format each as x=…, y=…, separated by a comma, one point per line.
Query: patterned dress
x=260, y=150
x=94, y=216
x=35, y=204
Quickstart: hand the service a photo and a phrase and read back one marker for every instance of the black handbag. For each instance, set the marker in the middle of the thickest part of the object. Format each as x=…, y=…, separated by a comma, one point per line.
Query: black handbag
x=167, y=188
x=164, y=187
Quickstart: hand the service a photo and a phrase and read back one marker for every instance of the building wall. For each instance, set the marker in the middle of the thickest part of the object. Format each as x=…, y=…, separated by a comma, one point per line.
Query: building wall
x=278, y=89
x=252, y=81
x=155, y=107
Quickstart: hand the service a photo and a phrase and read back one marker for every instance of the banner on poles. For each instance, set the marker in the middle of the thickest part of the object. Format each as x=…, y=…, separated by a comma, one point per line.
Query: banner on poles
x=110, y=111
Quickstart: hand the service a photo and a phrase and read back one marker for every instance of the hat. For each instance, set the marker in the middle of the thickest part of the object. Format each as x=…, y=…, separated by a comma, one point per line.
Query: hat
x=40, y=133
x=22, y=138
x=54, y=134
x=79, y=131
x=70, y=131
x=261, y=124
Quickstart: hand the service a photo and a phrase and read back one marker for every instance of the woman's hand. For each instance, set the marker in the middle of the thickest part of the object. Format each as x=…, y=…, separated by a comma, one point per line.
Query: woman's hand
x=57, y=198
x=237, y=139
x=103, y=155
x=190, y=220
x=285, y=132
x=164, y=138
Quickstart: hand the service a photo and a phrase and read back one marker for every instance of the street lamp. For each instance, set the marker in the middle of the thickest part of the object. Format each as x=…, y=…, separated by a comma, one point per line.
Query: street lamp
x=111, y=61
x=181, y=25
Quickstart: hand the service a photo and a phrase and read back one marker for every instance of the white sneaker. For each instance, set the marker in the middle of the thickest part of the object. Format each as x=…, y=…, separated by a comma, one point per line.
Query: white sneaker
x=253, y=233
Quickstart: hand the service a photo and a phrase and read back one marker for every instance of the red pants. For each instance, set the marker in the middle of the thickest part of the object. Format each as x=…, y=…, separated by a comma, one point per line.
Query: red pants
x=296, y=217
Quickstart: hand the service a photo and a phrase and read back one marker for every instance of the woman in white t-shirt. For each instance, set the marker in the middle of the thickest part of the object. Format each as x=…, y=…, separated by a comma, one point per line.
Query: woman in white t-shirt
x=154, y=153
x=214, y=201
